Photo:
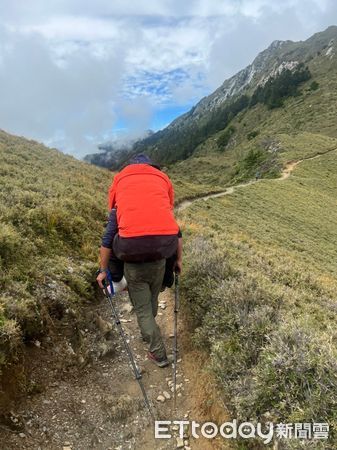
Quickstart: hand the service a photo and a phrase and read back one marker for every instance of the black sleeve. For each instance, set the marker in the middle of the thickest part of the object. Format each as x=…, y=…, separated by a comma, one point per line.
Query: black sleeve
x=110, y=231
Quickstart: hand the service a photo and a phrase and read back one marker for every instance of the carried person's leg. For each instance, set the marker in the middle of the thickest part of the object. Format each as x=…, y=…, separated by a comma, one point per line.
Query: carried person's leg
x=140, y=277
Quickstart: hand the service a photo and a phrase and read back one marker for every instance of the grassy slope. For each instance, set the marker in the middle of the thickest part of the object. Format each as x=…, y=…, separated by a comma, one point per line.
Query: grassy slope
x=52, y=212
x=261, y=284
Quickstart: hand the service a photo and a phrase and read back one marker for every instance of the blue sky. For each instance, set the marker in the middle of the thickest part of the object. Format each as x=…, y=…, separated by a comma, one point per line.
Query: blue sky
x=74, y=74
x=161, y=117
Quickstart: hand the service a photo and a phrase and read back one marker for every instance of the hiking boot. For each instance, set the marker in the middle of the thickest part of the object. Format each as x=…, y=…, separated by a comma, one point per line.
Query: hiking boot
x=160, y=362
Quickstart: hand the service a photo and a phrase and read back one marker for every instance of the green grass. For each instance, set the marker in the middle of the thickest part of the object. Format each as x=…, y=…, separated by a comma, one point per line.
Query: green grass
x=52, y=211
x=261, y=288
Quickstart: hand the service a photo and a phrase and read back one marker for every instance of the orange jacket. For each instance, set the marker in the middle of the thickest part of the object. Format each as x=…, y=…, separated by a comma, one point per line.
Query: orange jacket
x=144, y=199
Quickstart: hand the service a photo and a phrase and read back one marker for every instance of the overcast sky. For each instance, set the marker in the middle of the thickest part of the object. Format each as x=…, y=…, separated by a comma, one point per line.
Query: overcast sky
x=75, y=73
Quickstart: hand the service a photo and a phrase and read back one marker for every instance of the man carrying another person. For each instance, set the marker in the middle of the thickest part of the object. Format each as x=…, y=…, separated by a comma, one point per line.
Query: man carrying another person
x=141, y=200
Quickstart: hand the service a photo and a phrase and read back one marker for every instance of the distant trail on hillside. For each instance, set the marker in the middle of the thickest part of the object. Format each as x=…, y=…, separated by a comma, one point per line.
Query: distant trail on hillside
x=286, y=171
x=290, y=165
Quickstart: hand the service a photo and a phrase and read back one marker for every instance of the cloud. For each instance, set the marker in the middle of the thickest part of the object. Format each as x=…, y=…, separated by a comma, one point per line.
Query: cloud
x=42, y=99
x=137, y=113
x=259, y=23
x=73, y=72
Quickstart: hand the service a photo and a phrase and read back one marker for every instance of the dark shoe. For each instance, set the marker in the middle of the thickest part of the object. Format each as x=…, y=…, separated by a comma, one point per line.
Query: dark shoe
x=160, y=362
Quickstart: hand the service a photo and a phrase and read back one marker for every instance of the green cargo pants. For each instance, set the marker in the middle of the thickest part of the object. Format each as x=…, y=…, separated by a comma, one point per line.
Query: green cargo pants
x=144, y=284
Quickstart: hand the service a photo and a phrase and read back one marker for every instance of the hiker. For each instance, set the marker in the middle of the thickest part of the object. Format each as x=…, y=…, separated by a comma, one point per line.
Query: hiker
x=141, y=199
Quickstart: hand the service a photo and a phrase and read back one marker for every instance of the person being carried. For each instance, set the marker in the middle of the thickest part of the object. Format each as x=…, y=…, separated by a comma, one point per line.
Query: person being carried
x=141, y=199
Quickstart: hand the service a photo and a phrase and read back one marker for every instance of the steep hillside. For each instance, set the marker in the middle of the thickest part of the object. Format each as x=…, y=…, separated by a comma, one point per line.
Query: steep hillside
x=52, y=214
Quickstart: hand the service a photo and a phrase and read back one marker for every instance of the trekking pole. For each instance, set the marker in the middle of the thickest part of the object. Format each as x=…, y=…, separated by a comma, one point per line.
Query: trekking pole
x=175, y=345
x=135, y=369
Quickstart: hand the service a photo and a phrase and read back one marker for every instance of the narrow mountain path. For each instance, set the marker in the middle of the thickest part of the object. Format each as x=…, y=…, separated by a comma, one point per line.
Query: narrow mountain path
x=98, y=405
x=286, y=172
x=291, y=165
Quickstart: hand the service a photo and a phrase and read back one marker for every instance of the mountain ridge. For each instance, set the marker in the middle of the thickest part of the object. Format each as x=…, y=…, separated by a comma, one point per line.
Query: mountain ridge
x=269, y=63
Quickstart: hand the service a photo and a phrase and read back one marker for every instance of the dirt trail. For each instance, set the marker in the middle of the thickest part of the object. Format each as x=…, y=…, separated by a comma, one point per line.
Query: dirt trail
x=286, y=172
x=290, y=165
x=99, y=406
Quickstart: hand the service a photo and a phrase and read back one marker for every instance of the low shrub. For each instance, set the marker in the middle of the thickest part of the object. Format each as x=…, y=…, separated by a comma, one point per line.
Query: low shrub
x=10, y=244
x=52, y=210
x=267, y=337
x=235, y=327
x=295, y=377
x=314, y=86
x=26, y=312
x=207, y=267
x=225, y=136
x=257, y=160
x=252, y=134
x=10, y=337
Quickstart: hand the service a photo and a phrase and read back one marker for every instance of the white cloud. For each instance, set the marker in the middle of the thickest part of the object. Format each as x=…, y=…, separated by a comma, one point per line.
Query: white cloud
x=78, y=28
x=71, y=70
x=42, y=99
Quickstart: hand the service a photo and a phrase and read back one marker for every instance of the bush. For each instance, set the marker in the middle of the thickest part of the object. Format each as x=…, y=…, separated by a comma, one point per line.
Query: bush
x=225, y=137
x=252, y=134
x=272, y=360
x=257, y=160
x=251, y=163
x=203, y=276
x=10, y=244
x=242, y=310
x=314, y=86
x=52, y=210
x=295, y=378
x=26, y=313
x=10, y=338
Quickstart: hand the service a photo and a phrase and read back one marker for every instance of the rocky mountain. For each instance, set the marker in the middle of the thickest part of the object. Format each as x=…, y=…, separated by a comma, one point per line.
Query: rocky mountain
x=283, y=62
x=279, y=56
